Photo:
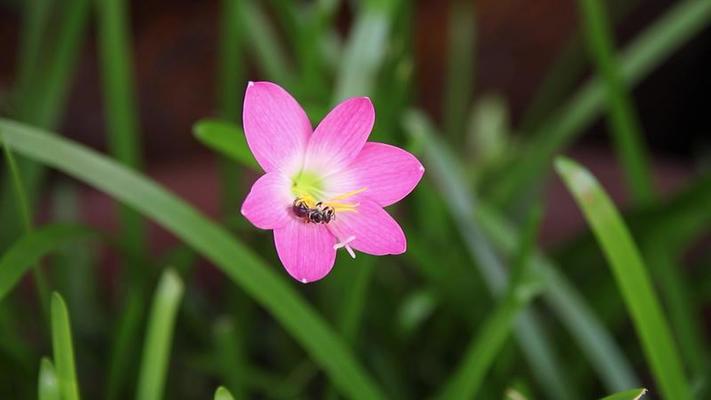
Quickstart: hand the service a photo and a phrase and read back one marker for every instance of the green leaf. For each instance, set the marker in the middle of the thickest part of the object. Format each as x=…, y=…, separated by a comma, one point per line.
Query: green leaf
x=529, y=332
x=623, y=121
x=262, y=283
x=631, y=276
x=365, y=49
x=491, y=337
x=561, y=296
x=633, y=394
x=63, y=349
x=459, y=83
x=647, y=51
x=29, y=249
x=223, y=394
x=230, y=357
x=120, y=108
x=261, y=35
x=227, y=139
x=47, y=383
x=159, y=337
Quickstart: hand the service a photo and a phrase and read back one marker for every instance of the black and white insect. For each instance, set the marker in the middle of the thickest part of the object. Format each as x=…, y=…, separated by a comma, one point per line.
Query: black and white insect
x=319, y=213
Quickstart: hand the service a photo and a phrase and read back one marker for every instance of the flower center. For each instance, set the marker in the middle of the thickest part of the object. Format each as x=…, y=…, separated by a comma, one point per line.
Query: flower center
x=311, y=203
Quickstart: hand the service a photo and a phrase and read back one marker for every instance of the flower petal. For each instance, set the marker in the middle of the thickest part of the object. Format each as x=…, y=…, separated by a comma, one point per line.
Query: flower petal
x=276, y=127
x=341, y=135
x=306, y=250
x=268, y=202
x=387, y=172
x=374, y=230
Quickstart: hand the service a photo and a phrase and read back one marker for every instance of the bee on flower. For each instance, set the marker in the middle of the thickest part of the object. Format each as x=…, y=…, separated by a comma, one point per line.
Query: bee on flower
x=323, y=189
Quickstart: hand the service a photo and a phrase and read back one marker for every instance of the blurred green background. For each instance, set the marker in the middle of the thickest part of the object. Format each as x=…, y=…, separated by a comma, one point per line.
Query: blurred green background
x=112, y=287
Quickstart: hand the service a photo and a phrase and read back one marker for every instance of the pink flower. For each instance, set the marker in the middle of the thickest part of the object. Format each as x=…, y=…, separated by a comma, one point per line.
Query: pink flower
x=323, y=189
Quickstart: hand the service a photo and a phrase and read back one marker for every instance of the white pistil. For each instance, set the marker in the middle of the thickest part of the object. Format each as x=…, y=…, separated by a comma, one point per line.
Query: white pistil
x=345, y=245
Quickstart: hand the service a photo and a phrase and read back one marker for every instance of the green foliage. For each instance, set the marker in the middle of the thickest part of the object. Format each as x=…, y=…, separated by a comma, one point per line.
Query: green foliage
x=63, y=349
x=476, y=307
x=631, y=276
x=159, y=337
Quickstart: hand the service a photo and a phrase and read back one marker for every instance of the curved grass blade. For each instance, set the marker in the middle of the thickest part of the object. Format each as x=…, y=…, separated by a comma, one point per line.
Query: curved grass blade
x=262, y=283
x=649, y=49
x=159, y=337
x=633, y=394
x=460, y=68
x=529, y=331
x=365, y=50
x=229, y=356
x=26, y=217
x=29, y=249
x=225, y=138
x=47, y=383
x=42, y=102
x=607, y=359
x=120, y=108
x=467, y=379
x=63, y=349
x=631, y=276
x=223, y=394
x=623, y=121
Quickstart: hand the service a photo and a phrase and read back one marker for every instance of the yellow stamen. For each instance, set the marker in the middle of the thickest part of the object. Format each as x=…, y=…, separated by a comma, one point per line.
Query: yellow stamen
x=344, y=207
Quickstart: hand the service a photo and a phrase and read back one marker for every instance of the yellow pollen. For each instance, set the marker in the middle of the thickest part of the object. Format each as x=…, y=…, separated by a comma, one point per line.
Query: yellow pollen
x=345, y=207
x=336, y=203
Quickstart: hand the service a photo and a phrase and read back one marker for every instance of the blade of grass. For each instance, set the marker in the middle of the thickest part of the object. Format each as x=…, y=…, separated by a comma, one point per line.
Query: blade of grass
x=229, y=355
x=63, y=349
x=223, y=394
x=478, y=358
x=631, y=276
x=259, y=281
x=159, y=337
x=120, y=109
x=124, y=345
x=29, y=249
x=529, y=332
x=354, y=297
x=230, y=80
x=562, y=76
x=365, y=49
x=34, y=23
x=649, y=49
x=632, y=394
x=561, y=296
x=226, y=139
x=460, y=68
x=42, y=101
x=621, y=115
x=271, y=57
x=47, y=383
x=27, y=224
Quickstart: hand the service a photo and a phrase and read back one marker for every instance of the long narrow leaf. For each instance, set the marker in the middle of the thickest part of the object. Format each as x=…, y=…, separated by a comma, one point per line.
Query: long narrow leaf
x=467, y=379
x=159, y=337
x=63, y=349
x=684, y=20
x=28, y=250
x=225, y=138
x=247, y=270
x=592, y=337
x=47, y=382
x=223, y=394
x=365, y=49
x=120, y=107
x=631, y=276
x=633, y=394
x=529, y=332
x=622, y=118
